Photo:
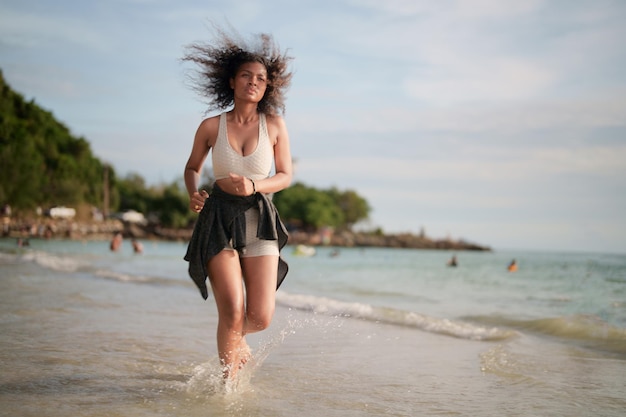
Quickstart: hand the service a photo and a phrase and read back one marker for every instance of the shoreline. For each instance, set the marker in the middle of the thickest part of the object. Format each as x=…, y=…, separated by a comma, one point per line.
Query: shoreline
x=47, y=228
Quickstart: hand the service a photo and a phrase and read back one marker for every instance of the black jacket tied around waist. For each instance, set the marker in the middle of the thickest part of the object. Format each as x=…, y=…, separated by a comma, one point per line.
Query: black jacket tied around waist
x=221, y=221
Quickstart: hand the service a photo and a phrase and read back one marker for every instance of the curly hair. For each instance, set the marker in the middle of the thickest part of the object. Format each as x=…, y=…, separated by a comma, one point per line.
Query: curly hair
x=219, y=61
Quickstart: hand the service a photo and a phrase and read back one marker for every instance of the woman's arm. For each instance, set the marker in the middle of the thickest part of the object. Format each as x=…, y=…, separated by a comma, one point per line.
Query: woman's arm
x=282, y=158
x=204, y=139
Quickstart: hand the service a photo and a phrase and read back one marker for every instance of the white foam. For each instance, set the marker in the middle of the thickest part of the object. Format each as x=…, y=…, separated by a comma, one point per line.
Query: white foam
x=328, y=306
x=52, y=261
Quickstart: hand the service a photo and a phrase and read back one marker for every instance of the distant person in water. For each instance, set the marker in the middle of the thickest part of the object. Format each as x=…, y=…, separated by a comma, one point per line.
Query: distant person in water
x=512, y=266
x=137, y=246
x=116, y=242
x=238, y=235
x=452, y=261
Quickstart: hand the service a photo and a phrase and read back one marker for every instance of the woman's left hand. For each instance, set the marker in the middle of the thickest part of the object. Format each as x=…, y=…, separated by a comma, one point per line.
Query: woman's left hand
x=242, y=185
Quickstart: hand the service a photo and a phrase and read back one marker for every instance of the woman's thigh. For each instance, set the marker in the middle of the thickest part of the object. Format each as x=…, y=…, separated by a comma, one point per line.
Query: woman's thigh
x=226, y=280
x=260, y=275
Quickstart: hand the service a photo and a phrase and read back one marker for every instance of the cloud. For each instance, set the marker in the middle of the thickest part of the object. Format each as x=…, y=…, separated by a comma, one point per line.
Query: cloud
x=602, y=109
x=459, y=9
x=471, y=163
x=24, y=29
x=394, y=7
x=482, y=79
x=605, y=110
x=48, y=81
x=593, y=160
x=494, y=9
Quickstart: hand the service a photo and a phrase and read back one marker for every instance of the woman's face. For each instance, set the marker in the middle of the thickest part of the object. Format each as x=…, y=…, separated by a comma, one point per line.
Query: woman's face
x=250, y=82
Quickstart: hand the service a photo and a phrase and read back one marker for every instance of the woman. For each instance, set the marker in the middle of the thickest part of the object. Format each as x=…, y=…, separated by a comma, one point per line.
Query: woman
x=238, y=236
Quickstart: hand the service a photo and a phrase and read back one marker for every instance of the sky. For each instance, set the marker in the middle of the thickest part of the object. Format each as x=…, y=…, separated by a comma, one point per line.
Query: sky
x=501, y=123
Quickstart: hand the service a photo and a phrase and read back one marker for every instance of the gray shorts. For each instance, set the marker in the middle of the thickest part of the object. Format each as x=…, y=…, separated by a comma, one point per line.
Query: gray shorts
x=254, y=245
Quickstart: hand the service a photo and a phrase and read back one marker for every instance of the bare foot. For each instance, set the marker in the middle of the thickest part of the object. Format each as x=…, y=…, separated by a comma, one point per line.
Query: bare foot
x=244, y=353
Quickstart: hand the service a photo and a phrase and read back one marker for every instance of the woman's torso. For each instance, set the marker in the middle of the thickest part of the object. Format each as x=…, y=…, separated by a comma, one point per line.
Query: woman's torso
x=256, y=165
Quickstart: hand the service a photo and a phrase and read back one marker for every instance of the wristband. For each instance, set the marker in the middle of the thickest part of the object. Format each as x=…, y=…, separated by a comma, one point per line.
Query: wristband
x=253, y=186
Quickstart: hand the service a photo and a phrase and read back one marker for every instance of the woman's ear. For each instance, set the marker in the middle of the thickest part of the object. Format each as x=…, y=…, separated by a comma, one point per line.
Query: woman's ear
x=232, y=83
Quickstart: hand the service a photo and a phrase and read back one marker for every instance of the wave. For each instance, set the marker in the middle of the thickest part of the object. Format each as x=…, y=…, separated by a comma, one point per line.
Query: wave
x=141, y=279
x=587, y=330
x=387, y=315
x=590, y=331
x=138, y=279
x=52, y=261
x=72, y=264
x=314, y=304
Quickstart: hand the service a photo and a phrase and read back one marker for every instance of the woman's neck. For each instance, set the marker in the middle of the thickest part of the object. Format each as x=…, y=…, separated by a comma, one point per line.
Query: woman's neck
x=245, y=113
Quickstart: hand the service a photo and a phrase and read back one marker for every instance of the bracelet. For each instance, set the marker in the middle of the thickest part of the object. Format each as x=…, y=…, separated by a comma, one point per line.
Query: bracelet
x=253, y=186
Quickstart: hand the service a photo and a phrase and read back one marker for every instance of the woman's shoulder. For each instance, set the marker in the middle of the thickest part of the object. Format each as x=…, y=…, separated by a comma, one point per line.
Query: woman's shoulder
x=210, y=123
x=276, y=128
x=209, y=129
x=211, y=120
x=274, y=120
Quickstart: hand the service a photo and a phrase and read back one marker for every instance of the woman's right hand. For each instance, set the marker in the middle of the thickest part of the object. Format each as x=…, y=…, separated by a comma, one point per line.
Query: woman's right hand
x=196, y=201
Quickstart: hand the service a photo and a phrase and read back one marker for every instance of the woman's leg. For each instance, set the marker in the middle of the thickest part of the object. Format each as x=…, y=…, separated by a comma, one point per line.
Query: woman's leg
x=260, y=275
x=226, y=283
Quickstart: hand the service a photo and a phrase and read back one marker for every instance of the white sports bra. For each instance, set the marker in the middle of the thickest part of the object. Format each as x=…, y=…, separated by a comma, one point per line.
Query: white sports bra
x=256, y=166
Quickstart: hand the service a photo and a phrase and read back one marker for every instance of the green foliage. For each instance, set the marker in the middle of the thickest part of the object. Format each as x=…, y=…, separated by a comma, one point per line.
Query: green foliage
x=312, y=208
x=41, y=163
x=353, y=206
x=168, y=204
x=22, y=178
x=133, y=194
x=174, y=206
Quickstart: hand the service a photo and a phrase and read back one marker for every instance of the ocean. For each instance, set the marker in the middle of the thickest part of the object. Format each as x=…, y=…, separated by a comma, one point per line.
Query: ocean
x=357, y=332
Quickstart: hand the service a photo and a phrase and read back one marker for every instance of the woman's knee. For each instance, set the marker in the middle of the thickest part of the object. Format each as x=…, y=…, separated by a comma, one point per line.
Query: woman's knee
x=258, y=321
x=231, y=315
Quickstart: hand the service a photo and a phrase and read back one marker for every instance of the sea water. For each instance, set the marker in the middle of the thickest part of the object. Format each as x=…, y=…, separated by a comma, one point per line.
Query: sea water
x=357, y=332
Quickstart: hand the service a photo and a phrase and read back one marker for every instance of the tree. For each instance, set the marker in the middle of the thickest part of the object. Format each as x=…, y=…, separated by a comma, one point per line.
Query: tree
x=354, y=207
x=22, y=176
x=313, y=208
x=133, y=194
x=173, y=207
x=41, y=163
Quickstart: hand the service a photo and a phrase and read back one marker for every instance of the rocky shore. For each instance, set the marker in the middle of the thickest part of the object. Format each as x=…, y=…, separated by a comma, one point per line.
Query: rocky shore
x=105, y=230
x=403, y=240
